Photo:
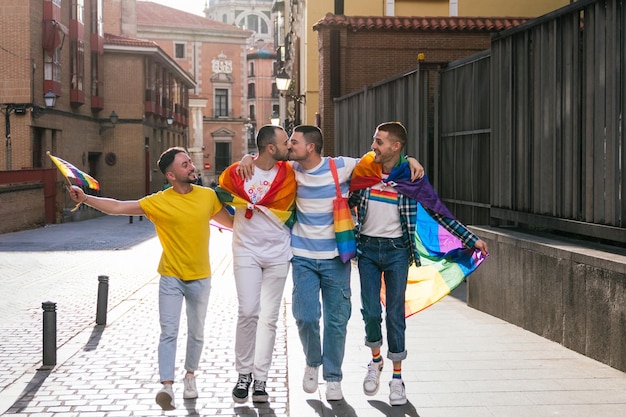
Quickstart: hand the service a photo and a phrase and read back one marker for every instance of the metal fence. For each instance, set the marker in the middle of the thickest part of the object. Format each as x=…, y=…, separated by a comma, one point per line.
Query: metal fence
x=530, y=133
x=403, y=98
x=558, y=102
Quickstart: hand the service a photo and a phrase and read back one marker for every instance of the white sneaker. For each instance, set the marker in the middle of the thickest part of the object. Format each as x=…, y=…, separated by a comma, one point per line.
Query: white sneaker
x=190, y=391
x=165, y=397
x=371, y=383
x=309, y=382
x=397, y=392
x=333, y=391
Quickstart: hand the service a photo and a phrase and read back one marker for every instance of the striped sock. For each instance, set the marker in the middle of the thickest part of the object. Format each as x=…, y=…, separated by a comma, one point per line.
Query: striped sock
x=397, y=373
x=377, y=358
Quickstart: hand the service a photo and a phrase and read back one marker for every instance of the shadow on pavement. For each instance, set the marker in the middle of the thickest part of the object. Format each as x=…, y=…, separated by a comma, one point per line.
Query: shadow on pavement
x=26, y=396
x=339, y=408
x=260, y=410
x=99, y=234
x=94, y=339
x=406, y=410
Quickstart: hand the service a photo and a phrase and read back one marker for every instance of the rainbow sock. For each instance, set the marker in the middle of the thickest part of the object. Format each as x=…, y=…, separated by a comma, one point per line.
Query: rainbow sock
x=397, y=373
x=377, y=358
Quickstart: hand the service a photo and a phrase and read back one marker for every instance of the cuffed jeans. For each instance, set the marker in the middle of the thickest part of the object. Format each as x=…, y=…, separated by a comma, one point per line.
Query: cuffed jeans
x=259, y=290
x=391, y=257
x=332, y=278
x=171, y=293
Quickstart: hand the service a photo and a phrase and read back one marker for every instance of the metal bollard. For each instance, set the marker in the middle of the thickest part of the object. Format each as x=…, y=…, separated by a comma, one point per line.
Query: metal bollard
x=130, y=219
x=49, y=334
x=103, y=297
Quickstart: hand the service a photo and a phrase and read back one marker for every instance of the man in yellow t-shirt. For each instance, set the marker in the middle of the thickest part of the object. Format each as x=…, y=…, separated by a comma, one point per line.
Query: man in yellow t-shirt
x=181, y=215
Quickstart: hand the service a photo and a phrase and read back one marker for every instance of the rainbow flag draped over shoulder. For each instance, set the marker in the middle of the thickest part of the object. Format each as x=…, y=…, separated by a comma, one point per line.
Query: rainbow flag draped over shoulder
x=70, y=171
x=445, y=262
x=278, y=203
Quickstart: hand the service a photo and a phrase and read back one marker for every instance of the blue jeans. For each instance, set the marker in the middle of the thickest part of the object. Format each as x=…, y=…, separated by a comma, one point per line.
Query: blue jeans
x=171, y=293
x=332, y=278
x=391, y=257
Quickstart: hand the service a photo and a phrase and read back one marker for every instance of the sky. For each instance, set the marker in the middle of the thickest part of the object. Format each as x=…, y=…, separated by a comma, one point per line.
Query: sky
x=189, y=6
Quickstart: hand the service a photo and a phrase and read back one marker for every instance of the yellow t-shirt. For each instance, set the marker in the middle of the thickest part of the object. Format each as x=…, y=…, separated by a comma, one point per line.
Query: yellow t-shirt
x=182, y=225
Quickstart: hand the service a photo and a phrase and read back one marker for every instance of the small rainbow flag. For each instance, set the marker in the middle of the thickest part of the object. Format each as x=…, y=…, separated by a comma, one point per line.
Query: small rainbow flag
x=70, y=171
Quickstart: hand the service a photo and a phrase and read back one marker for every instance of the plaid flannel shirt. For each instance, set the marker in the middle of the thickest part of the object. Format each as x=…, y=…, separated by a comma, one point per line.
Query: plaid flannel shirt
x=407, y=208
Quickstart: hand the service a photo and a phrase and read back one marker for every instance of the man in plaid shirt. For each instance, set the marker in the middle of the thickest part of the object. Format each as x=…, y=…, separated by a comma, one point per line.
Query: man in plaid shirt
x=386, y=216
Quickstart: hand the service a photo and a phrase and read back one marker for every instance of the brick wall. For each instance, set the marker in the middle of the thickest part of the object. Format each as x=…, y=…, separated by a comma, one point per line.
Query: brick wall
x=23, y=204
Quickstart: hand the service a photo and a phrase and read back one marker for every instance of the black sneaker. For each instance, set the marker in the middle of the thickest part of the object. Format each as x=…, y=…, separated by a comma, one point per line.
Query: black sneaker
x=240, y=392
x=259, y=395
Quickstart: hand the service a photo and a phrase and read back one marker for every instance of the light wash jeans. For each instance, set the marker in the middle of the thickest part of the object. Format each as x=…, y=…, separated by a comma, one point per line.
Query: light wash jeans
x=259, y=290
x=332, y=278
x=391, y=256
x=171, y=293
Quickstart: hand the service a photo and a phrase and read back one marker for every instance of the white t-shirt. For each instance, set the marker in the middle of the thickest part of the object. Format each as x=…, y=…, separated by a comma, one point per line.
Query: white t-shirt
x=382, y=218
x=257, y=235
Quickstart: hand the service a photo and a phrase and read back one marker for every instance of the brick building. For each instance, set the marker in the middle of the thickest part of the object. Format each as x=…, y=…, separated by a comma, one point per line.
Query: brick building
x=60, y=48
x=214, y=54
x=357, y=51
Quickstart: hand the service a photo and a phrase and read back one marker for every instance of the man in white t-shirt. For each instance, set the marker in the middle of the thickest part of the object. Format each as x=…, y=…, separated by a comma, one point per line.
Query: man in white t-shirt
x=264, y=206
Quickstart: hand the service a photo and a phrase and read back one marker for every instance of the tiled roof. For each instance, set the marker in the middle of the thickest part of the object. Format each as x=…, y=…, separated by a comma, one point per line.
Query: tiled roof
x=154, y=14
x=420, y=23
x=122, y=41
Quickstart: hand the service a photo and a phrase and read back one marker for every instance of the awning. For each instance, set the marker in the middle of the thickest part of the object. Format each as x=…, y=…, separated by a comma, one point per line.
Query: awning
x=53, y=35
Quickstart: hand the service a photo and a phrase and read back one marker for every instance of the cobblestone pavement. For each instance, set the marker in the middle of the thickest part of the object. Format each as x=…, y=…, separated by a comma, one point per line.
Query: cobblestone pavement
x=461, y=362
x=110, y=370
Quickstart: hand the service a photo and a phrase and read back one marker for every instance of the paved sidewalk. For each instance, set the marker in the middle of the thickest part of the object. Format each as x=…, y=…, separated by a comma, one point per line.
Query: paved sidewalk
x=461, y=363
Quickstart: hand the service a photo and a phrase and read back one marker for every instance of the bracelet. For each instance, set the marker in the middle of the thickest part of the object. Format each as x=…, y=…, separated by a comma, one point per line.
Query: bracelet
x=86, y=198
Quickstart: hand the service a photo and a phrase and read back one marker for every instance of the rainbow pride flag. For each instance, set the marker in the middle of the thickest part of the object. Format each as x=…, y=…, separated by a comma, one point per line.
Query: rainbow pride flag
x=70, y=171
x=445, y=262
x=278, y=203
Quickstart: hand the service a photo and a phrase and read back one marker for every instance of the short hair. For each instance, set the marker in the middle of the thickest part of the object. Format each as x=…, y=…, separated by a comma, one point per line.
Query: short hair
x=167, y=157
x=312, y=134
x=266, y=136
x=395, y=129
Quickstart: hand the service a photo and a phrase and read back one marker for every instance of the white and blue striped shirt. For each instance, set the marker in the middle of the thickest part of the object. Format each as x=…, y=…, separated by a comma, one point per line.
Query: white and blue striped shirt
x=313, y=234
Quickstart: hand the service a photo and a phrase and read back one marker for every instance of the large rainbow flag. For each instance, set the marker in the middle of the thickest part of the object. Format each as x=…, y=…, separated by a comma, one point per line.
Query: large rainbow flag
x=278, y=203
x=70, y=171
x=445, y=262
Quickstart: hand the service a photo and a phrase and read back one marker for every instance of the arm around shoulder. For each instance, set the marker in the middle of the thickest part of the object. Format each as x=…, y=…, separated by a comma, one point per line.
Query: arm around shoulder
x=107, y=205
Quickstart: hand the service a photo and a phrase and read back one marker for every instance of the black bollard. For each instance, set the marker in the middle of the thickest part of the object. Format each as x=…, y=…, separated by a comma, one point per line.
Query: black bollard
x=130, y=219
x=49, y=334
x=103, y=296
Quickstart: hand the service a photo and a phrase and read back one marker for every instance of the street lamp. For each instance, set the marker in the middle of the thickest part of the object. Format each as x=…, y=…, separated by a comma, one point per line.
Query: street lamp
x=283, y=84
x=283, y=81
x=50, y=99
x=286, y=87
x=113, y=119
x=20, y=109
x=275, y=119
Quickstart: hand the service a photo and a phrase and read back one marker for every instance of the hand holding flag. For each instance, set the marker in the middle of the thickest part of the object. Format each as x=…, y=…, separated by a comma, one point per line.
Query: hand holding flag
x=70, y=171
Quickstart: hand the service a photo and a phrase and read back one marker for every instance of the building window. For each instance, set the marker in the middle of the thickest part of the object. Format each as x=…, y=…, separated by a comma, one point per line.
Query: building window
x=251, y=70
x=221, y=102
x=179, y=50
x=52, y=66
x=77, y=56
x=274, y=90
x=252, y=112
x=251, y=90
x=222, y=156
x=78, y=7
